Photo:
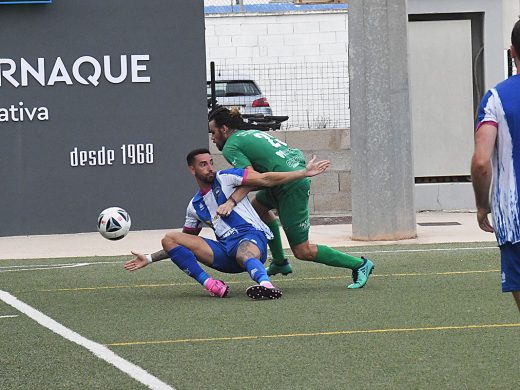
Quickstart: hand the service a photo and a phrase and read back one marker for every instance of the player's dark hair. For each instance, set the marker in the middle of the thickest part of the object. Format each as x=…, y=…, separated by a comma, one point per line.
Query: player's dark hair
x=515, y=37
x=190, y=158
x=223, y=116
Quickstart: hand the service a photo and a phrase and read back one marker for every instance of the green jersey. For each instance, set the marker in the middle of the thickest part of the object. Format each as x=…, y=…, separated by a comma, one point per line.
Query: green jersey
x=266, y=153
x=262, y=151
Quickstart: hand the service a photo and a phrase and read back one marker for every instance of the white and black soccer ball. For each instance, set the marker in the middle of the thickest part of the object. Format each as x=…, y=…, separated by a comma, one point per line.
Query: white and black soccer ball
x=114, y=223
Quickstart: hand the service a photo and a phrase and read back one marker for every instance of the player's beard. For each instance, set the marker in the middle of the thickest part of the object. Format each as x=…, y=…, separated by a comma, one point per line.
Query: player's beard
x=221, y=141
x=207, y=178
x=219, y=145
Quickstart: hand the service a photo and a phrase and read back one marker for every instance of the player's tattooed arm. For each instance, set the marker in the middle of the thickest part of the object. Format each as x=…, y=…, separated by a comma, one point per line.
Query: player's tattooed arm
x=159, y=255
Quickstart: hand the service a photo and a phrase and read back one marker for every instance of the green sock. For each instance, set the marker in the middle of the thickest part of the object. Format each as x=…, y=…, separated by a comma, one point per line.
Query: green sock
x=336, y=258
x=275, y=245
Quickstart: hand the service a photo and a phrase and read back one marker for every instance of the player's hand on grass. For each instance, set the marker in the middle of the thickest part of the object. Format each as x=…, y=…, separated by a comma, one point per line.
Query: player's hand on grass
x=314, y=167
x=483, y=220
x=139, y=261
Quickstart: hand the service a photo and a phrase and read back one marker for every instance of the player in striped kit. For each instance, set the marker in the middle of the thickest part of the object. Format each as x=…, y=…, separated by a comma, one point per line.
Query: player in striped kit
x=495, y=168
x=241, y=236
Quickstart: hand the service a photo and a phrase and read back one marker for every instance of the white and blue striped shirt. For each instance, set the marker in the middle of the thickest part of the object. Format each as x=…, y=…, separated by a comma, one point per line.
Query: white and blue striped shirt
x=202, y=209
x=500, y=107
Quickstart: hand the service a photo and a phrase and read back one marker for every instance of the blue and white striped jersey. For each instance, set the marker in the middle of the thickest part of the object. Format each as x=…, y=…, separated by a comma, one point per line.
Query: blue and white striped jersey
x=202, y=209
x=500, y=107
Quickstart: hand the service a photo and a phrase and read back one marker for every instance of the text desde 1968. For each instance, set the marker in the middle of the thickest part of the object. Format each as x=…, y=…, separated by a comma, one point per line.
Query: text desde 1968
x=127, y=154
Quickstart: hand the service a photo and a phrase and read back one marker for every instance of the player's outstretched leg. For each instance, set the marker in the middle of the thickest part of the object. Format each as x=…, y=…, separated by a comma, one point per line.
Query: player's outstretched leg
x=187, y=262
x=360, y=275
x=361, y=267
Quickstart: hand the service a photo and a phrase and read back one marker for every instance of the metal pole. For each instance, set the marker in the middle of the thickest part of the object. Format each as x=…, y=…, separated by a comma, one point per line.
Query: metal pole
x=212, y=84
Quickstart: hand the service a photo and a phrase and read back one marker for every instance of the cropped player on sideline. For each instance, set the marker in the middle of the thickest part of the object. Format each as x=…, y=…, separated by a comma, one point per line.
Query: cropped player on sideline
x=241, y=243
x=495, y=166
x=260, y=152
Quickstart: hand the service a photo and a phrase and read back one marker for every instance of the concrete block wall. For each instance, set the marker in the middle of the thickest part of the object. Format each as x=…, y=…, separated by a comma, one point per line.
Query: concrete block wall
x=331, y=192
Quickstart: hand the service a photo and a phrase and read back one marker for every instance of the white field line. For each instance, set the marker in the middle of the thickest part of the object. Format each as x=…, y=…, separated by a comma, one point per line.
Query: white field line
x=99, y=350
x=43, y=267
x=12, y=316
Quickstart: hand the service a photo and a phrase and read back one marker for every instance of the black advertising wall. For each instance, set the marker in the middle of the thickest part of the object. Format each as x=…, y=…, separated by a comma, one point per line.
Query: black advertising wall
x=100, y=101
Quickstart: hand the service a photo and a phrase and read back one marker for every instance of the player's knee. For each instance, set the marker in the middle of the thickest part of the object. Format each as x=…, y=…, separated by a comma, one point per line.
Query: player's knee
x=166, y=242
x=169, y=241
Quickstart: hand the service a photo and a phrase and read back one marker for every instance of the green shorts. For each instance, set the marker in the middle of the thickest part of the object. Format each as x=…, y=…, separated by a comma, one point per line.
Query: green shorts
x=292, y=202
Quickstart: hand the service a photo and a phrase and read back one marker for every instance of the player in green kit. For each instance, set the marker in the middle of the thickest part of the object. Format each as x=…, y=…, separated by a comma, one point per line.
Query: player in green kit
x=260, y=151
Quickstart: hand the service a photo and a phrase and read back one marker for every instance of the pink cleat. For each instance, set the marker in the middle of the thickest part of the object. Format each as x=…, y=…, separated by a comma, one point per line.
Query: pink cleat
x=216, y=288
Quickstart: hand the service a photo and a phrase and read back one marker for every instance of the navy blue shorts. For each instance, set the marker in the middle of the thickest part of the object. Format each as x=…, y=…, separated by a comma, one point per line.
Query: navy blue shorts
x=224, y=251
x=510, y=259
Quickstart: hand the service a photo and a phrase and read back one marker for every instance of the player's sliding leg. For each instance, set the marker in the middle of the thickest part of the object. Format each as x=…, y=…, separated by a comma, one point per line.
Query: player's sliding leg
x=264, y=288
x=251, y=253
x=279, y=263
x=360, y=266
x=185, y=259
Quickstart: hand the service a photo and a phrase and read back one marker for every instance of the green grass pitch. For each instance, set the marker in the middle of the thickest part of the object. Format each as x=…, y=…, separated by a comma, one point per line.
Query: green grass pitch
x=430, y=317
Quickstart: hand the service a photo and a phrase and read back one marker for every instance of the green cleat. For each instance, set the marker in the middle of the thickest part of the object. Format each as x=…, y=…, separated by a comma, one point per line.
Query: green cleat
x=274, y=269
x=360, y=275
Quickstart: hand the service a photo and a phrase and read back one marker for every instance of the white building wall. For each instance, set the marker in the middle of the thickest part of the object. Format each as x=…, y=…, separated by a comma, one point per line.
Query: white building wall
x=280, y=38
x=510, y=14
x=283, y=46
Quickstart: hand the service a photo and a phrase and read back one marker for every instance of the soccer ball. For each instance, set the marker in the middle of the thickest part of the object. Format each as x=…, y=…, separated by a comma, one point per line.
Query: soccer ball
x=114, y=223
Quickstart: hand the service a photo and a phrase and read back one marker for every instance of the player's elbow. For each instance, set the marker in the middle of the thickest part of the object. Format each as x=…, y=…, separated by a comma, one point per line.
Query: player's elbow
x=480, y=164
